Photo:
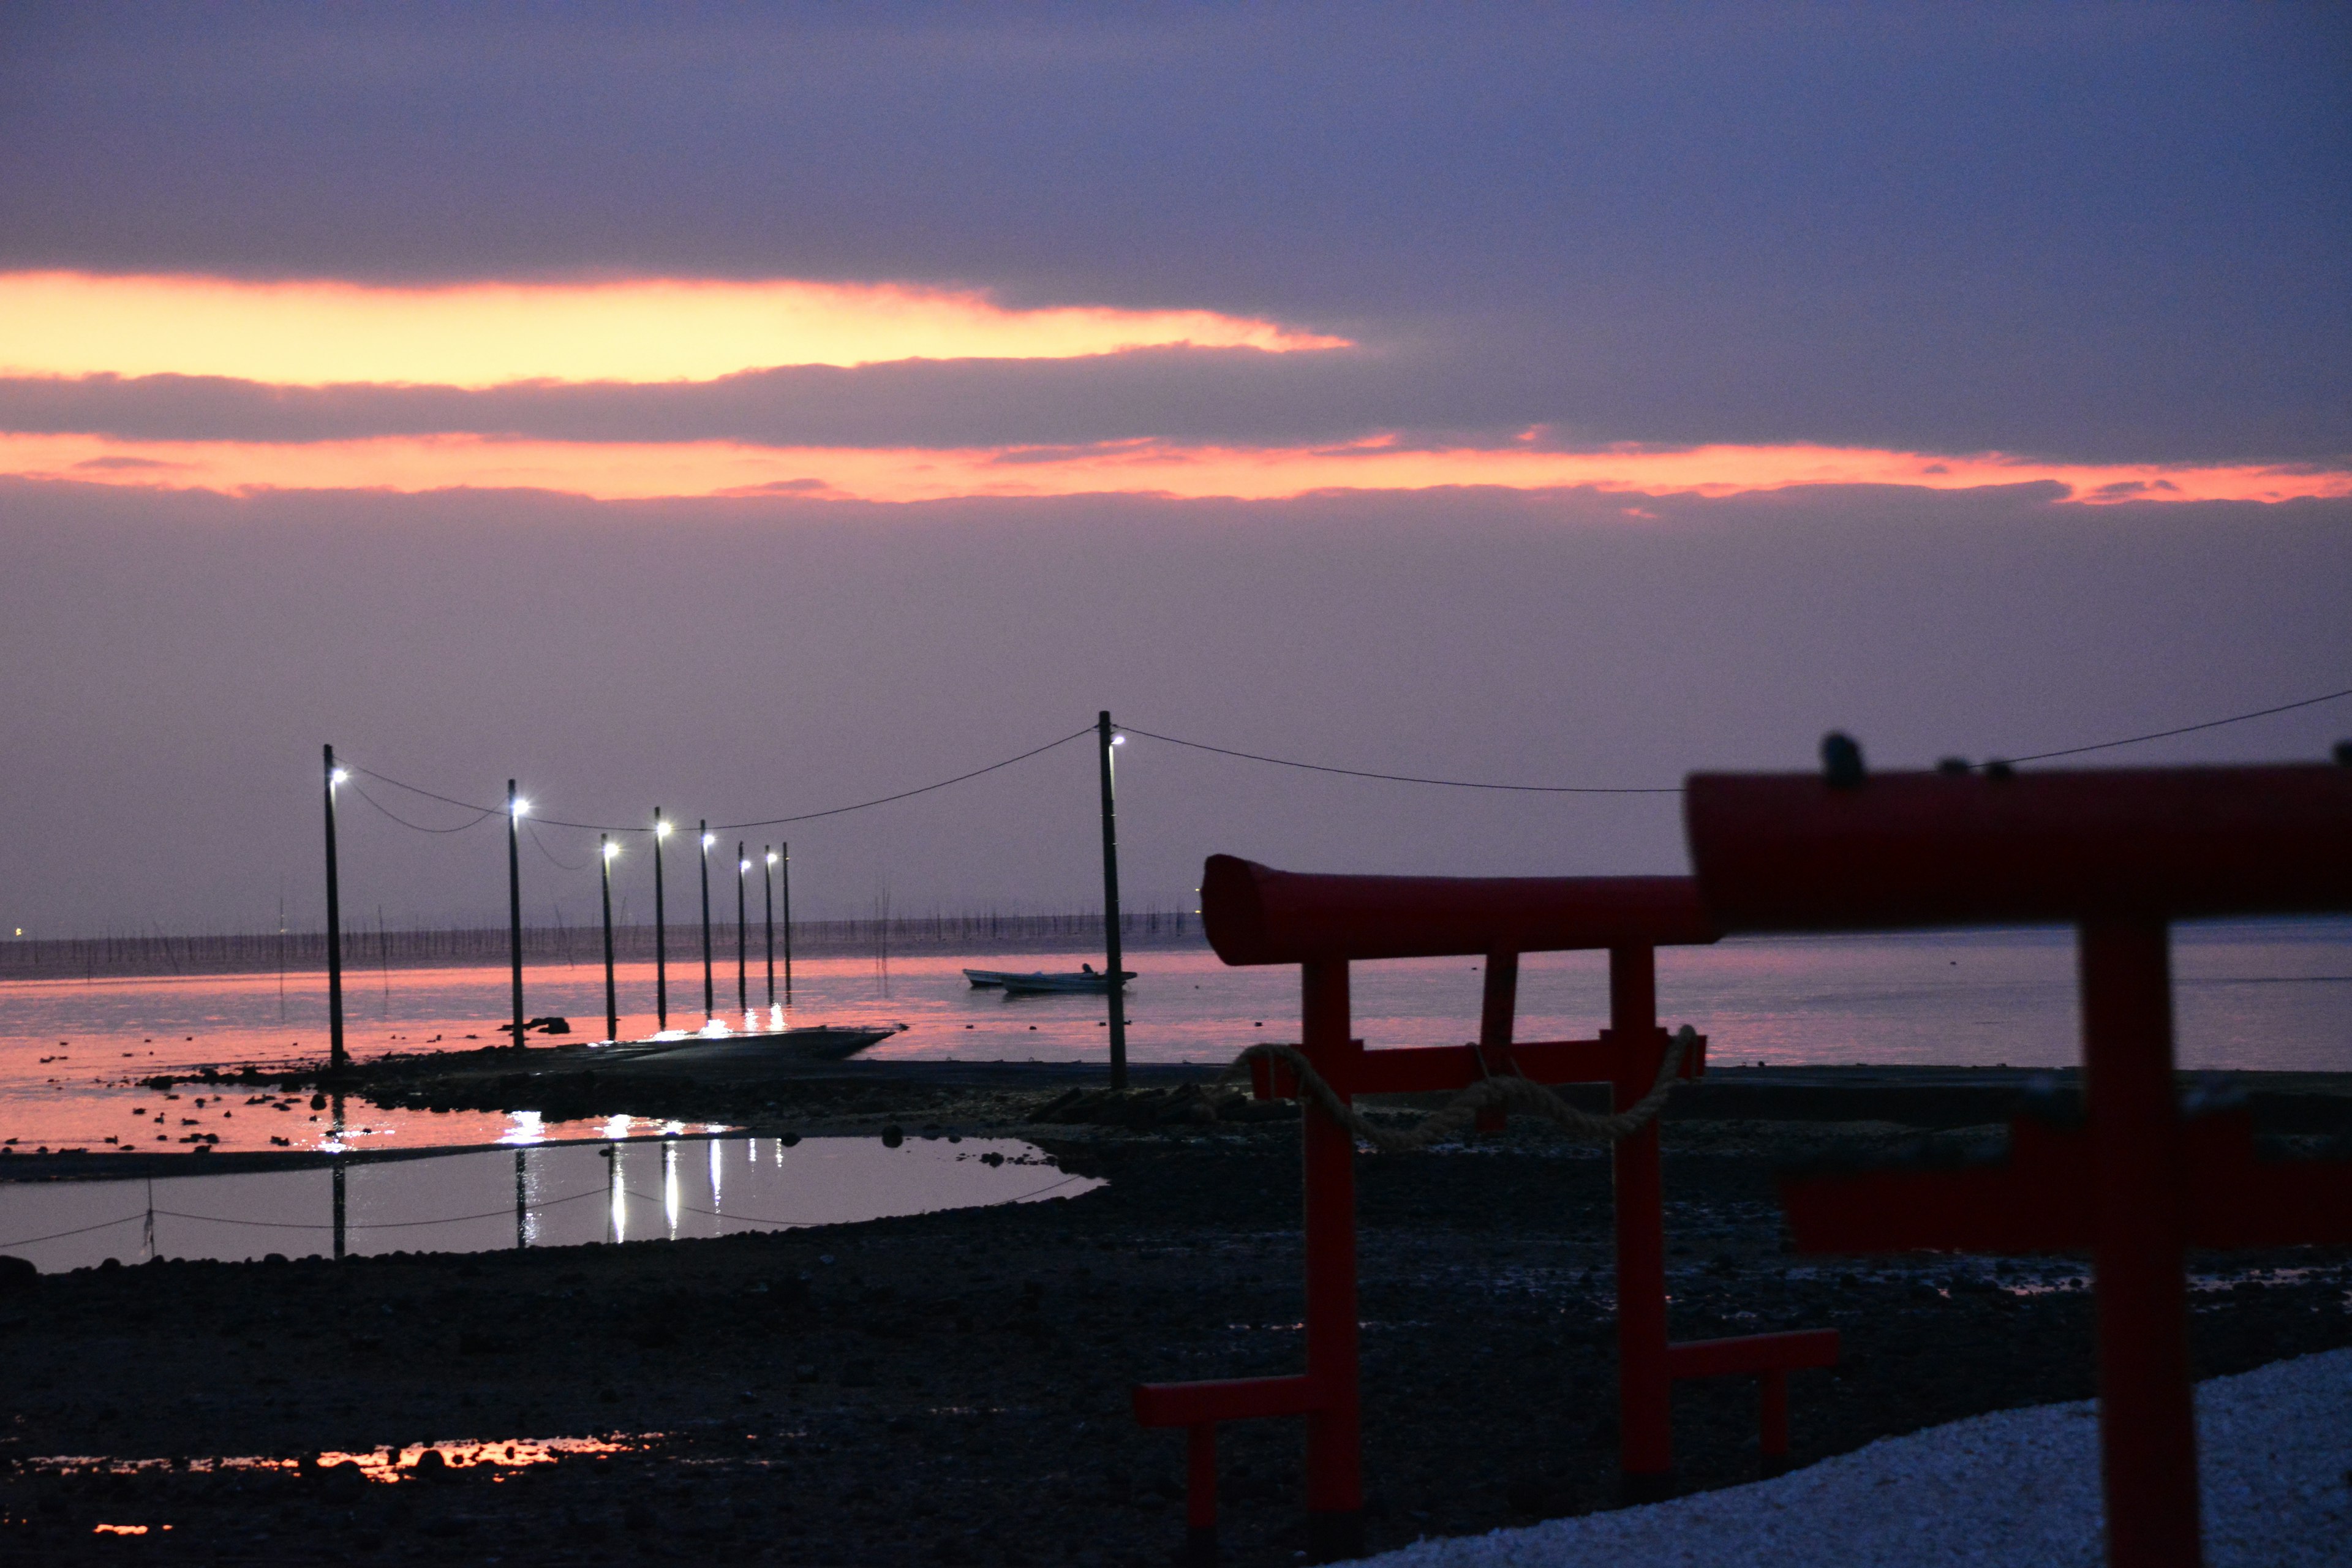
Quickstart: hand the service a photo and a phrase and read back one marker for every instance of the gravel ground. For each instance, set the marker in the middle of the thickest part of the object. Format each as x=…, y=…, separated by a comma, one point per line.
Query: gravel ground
x=2019, y=1488
x=952, y=1388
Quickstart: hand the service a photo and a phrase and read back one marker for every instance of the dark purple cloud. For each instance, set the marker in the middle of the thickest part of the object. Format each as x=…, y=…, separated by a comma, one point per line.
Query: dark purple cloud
x=170, y=663
x=2087, y=232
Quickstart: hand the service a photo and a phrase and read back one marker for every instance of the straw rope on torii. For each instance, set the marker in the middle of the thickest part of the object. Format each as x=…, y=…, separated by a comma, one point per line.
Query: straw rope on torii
x=1505, y=1091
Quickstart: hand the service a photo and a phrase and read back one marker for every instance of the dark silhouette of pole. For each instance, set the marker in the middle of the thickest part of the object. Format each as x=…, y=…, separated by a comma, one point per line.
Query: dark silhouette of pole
x=522, y=1205
x=709, y=995
x=767, y=913
x=742, y=986
x=661, y=929
x=605, y=851
x=785, y=866
x=514, y=901
x=1112, y=956
x=336, y=1059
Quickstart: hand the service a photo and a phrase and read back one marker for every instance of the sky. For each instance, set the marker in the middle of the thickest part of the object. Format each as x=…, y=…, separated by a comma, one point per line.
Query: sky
x=751, y=411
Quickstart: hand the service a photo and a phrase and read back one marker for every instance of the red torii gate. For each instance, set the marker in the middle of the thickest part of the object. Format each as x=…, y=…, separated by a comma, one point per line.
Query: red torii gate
x=2119, y=854
x=1256, y=915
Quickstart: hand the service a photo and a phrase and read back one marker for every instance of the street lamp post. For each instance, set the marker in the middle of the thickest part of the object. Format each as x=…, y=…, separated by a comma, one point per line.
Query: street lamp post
x=1112, y=955
x=516, y=806
x=661, y=929
x=743, y=985
x=768, y=914
x=336, y=1059
x=784, y=875
x=709, y=996
x=605, y=851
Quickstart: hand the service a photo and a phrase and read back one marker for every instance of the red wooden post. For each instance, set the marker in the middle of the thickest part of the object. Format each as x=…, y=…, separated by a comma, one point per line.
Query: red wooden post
x=2121, y=853
x=1644, y=1390
x=1772, y=1419
x=1201, y=1491
x=2147, y=1427
x=1335, y=1489
x=1258, y=916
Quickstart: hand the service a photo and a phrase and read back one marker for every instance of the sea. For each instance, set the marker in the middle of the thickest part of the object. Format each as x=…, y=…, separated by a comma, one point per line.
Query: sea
x=2272, y=995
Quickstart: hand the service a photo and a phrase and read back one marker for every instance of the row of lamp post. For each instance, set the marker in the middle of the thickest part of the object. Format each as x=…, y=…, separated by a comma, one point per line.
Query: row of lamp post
x=777, y=865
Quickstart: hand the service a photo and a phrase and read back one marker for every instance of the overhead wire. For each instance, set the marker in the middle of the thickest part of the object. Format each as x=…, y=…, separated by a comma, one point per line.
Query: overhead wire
x=482, y=813
x=2186, y=728
x=419, y=827
x=1408, y=778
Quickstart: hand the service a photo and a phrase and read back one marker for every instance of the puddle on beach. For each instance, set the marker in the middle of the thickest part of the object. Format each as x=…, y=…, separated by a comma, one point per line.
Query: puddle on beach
x=387, y=1464
x=553, y=1195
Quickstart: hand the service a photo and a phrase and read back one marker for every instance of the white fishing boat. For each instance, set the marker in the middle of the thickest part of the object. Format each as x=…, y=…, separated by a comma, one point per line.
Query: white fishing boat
x=1037, y=982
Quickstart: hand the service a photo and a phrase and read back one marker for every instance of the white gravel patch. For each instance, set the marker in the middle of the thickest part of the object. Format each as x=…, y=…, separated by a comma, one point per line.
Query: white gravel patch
x=2017, y=1487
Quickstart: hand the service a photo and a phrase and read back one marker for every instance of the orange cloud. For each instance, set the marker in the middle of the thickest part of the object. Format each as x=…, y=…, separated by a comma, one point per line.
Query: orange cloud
x=314, y=333
x=619, y=471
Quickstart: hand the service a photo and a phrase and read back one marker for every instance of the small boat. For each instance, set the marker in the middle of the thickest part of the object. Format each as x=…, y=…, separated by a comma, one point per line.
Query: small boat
x=809, y=1042
x=1037, y=982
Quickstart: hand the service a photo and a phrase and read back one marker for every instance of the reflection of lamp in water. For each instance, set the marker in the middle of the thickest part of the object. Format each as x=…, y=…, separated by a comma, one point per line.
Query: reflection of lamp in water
x=337, y=1144
x=669, y=1185
x=712, y=1144
x=617, y=1213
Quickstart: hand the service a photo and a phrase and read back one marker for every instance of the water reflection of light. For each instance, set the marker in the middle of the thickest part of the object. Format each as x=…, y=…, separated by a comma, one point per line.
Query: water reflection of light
x=527, y=1129
x=618, y=1228
x=715, y=1029
x=616, y=1126
x=670, y=1187
x=776, y=1016
x=713, y=1145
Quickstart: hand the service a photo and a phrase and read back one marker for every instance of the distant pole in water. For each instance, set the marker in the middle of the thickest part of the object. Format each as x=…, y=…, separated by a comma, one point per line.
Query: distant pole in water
x=784, y=865
x=767, y=913
x=742, y=934
x=605, y=851
x=709, y=996
x=336, y=1059
x=661, y=929
x=1105, y=741
x=516, y=805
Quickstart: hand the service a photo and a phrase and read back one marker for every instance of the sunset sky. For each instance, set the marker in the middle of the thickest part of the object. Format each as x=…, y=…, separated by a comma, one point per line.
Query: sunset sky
x=754, y=410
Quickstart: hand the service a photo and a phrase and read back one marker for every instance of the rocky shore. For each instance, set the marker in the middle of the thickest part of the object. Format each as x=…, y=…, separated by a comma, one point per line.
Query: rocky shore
x=952, y=1388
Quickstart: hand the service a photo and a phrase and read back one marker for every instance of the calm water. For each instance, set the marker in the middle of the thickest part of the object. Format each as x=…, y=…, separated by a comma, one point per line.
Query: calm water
x=2248, y=995
x=555, y=1195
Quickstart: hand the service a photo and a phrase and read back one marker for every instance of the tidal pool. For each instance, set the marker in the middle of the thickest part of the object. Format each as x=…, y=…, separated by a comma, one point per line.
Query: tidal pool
x=551, y=1195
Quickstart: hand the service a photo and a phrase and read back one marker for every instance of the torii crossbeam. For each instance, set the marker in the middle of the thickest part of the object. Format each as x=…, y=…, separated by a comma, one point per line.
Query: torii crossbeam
x=2119, y=854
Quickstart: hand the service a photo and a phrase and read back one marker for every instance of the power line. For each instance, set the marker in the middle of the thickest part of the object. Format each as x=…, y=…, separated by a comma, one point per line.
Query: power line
x=2186, y=729
x=1665, y=789
x=482, y=813
x=907, y=795
x=417, y=826
x=553, y=859
x=1409, y=778
x=488, y=811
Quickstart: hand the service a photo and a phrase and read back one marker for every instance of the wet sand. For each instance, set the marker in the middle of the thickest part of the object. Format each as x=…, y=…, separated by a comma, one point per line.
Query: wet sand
x=952, y=1388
